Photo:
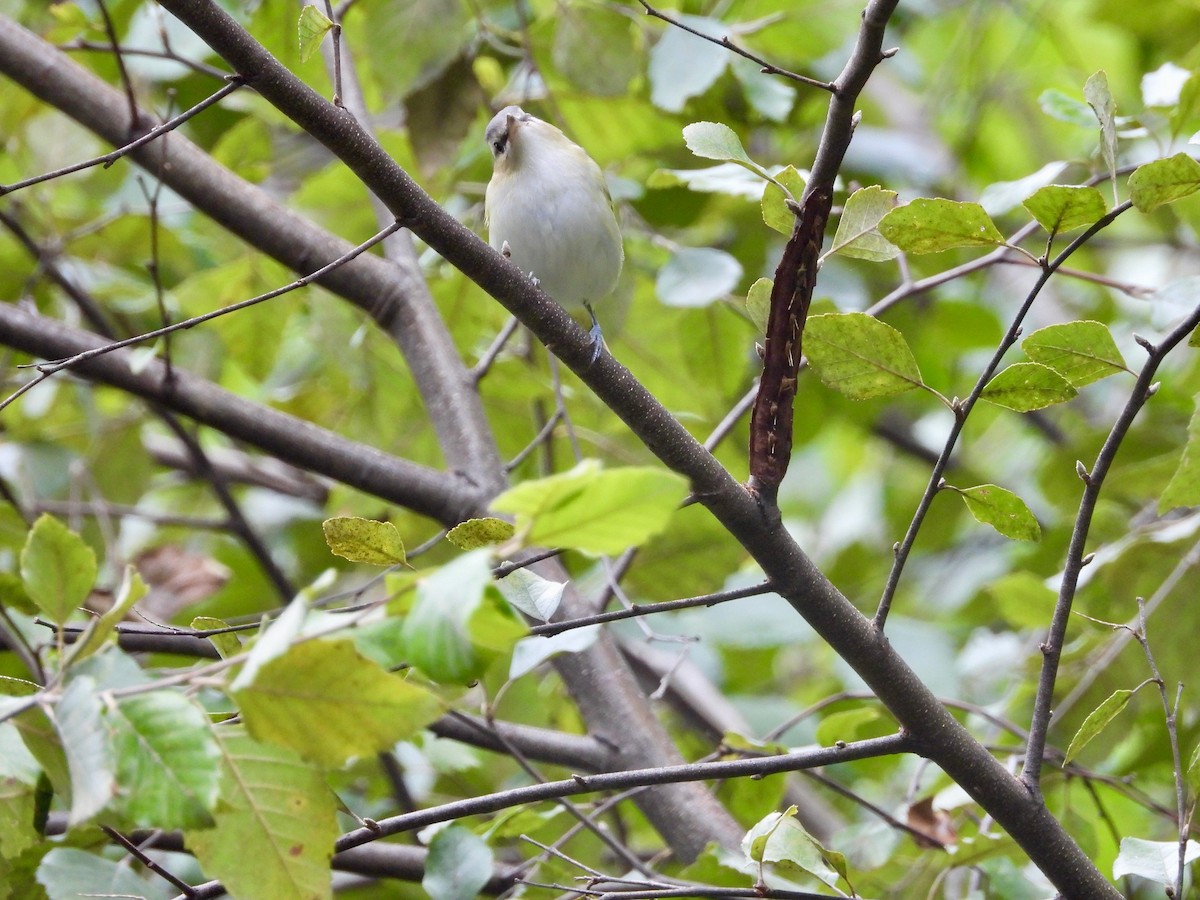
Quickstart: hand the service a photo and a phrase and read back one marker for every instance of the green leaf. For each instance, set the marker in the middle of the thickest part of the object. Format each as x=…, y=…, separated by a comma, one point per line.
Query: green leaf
x=858, y=231
x=131, y=591
x=1100, y=99
x=328, y=703
x=458, y=866
x=1081, y=352
x=683, y=65
x=1096, y=722
x=1066, y=108
x=772, y=97
x=476, y=533
x=531, y=651
x=594, y=49
x=697, y=276
x=775, y=210
x=442, y=633
x=727, y=178
x=275, y=823
x=1193, y=771
x=1164, y=181
x=1157, y=861
x=593, y=510
x=784, y=848
x=59, y=569
x=312, y=28
x=1028, y=386
x=1003, y=510
x=1060, y=208
x=933, y=225
x=758, y=303
x=88, y=747
x=1000, y=197
x=531, y=594
x=859, y=356
x=1184, y=487
x=227, y=644
x=166, y=761
x=713, y=140
x=68, y=873
x=364, y=540
x=845, y=725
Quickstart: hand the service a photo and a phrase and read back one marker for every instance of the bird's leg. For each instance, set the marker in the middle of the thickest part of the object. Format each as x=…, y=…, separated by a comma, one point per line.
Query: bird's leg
x=596, y=335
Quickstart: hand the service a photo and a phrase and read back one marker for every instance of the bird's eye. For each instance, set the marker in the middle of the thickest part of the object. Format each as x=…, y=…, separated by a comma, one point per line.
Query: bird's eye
x=498, y=146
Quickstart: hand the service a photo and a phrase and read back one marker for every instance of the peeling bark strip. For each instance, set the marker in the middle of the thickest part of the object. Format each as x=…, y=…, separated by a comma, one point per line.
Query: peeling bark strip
x=795, y=280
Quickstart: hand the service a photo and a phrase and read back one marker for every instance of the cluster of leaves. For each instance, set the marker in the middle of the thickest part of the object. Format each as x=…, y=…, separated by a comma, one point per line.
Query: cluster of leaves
x=242, y=752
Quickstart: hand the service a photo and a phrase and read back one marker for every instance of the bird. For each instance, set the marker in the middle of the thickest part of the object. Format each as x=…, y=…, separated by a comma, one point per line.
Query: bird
x=548, y=209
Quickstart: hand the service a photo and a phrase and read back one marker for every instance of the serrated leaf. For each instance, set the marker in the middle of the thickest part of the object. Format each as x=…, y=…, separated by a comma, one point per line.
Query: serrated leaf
x=697, y=276
x=758, y=303
x=166, y=761
x=88, y=747
x=58, y=567
x=1028, y=386
x=1081, y=352
x=364, y=540
x=932, y=225
x=858, y=230
x=531, y=593
x=329, y=703
x=1157, y=861
x=1003, y=510
x=859, y=356
x=1096, y=722
x=476, y=533
x=775, y=210
x=713, y=140
x=595, y=510
x=1059, y=208
x=1100, y=99
x=459, y=864
x=276, y=813
x=312, y=28
x=1184, y=487
x=1164, y=181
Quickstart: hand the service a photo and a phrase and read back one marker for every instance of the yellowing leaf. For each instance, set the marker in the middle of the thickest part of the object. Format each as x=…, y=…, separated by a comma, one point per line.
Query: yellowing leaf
x=364, y=540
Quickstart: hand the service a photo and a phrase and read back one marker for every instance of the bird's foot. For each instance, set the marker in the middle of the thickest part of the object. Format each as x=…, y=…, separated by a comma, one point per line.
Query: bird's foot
x=596, y=334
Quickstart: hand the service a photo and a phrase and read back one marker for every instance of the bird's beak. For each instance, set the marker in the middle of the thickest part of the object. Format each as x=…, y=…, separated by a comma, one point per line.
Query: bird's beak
x=513, y=125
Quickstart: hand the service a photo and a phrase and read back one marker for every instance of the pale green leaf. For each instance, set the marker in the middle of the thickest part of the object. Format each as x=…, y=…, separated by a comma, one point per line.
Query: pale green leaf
x=227, y=644
x=697, y=276
x=1060, y=208
x=858, y=230
x=775, y=210
x=535, y=649
x=845, y=724
x=1028, y=386
x=1097, y=720
x=1157, y=861
x=1100, y=99
x=714, y=140
x=1184, y=487
x=166, y=761
x=312, y=28
x=593, y=510
x=132, y=589
x=758, y=303
x=785, y=848
x=59, y=569
x=1081, y=352
x=1164, y=181
x=859, y=356
x=531, y=593
x=1003, y=510
x=87, y=743
x=1066, y=108
x=275, y=823
x=68, y=873
x=328, y=703
x=476, y=533
x=932, y=225
x=594, y=49
x=727, y=178
x=459, y=864
x=1000, y=197
x=770, y=95
x=683, y=65
x=364, y=540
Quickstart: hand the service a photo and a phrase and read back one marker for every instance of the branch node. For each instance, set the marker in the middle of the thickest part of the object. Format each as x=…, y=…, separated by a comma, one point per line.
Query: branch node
x=1087, y=560
x=888, y=53
x=1082, y=472
x=1153, y=389
x=1144, y=343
